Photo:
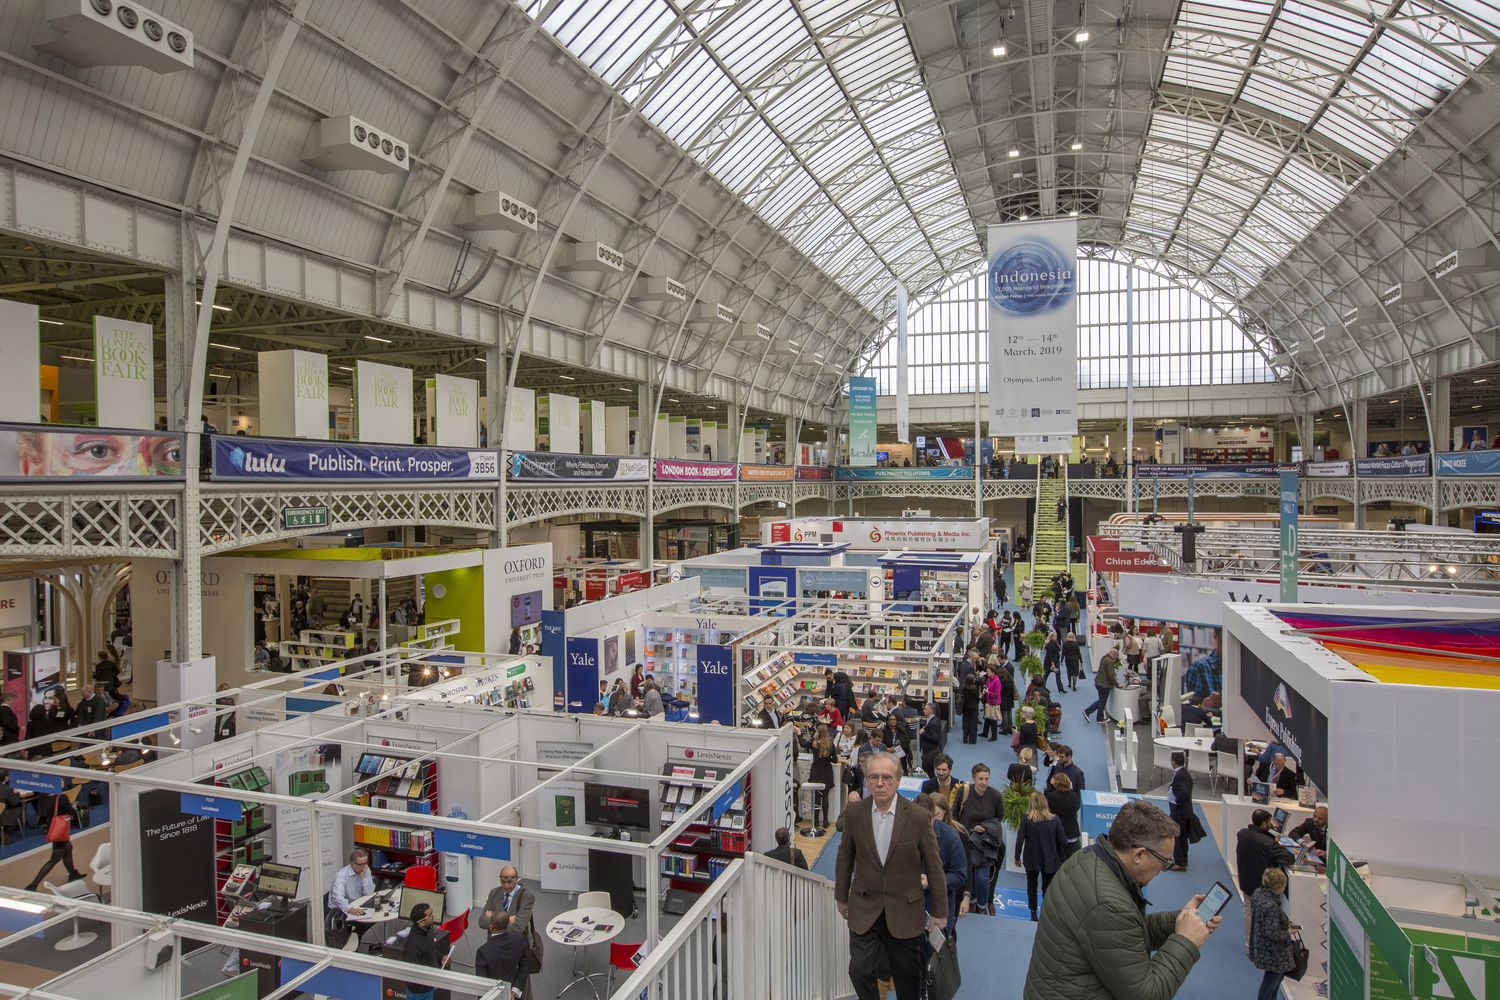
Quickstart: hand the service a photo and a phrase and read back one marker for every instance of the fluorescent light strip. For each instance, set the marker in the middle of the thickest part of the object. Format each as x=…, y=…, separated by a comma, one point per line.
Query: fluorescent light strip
x=217, y=375
x=227, y=347
x=344, y=368
x=77, y=357
x=51, y=322
x=378, y=340
x=568, y=377
x=219, y=308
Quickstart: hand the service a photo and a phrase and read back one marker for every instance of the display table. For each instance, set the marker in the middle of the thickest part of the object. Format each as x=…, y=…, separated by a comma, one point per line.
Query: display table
x=577, y=929
x=1126, y=699
x=1186, y=744
x=289, y=924
x=374, y=914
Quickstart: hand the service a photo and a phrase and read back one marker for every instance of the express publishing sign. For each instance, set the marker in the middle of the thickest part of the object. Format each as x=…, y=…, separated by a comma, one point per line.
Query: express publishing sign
x=1291, y=718
x=275, y=459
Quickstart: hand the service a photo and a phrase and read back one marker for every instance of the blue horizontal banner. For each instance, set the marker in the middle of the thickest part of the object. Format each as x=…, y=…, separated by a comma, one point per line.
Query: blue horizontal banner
x=474, y=844
x=816, y=659
x=1257, y=470
x=940, y=472
x=1469, y=463
x=138, y=724
x=250, y=459
x=211, y=805
x=33, y=781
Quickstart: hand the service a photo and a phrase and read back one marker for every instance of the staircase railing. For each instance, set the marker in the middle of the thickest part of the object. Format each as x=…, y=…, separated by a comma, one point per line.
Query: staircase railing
x=761, y=931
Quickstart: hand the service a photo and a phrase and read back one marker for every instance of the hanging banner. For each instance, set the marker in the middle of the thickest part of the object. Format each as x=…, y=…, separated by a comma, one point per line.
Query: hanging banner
x=715, y=684
x=293, y=388
x=1395, y=465
x=929, y=472
x=583, y=674
x=1327, y=470
x=257, y=459
x=20, y=362
x=520, y=420
x=1033, y=349
x=862, y=393
x=814, y=473
x=49, y=452
x=903, y=374
x=667, y=468
x=541, y=466
x=453, y=411
x=563, y=431
x=765, y=473
x=177, y=858
x=1468, y=463
x=124, y=373
x=382, y=403
x=1261, y=470
x=1288, y=509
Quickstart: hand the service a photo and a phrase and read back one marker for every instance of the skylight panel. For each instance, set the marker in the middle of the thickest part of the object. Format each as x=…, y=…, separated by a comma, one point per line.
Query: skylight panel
x=743, y=157
x=1412, y=77
x=1199, y=74
x=756, y=36
x=1242, y=16
x=1278, y=98
x=810, y=101
x=1359, y=136
x=792, y=190
x=609, y=37
x=695, y=94
x=875, y=60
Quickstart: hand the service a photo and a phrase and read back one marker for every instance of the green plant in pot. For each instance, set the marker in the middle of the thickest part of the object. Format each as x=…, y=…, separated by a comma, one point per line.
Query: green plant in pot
x=1015, y=800
x=1035, y=639
x=1030, y=665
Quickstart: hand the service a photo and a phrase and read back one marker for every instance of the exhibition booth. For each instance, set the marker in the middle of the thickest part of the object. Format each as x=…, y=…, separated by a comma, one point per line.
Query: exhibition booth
x=249, y=830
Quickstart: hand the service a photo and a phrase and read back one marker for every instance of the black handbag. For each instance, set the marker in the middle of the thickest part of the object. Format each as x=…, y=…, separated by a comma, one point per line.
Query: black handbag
x=943, y=978
x=1299, y=960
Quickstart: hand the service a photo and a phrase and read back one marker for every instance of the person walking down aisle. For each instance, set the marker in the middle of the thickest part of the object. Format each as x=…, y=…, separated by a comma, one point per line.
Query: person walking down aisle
x=888, y=842
x=1180, y=802
x=62, y=841
x=1272, y=949
x=1095, y=940
x=1104, y=683
x=1041, y=846
x=969, y=704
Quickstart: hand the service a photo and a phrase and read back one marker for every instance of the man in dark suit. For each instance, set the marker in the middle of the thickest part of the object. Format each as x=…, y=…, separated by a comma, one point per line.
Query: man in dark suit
x=1257, y=848
x=1180, y=803
x=503, y=955
x=511, y=897
x=785, y=852
x=888, y=843
x=931, y=740
x=1281, y=778
x=770, y=716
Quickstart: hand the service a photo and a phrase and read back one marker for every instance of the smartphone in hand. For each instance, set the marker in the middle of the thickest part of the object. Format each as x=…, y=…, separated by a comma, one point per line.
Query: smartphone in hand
x=1214, y=901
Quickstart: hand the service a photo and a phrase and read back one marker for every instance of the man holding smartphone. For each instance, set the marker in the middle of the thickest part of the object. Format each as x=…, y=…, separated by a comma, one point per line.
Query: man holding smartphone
x=1095, y=939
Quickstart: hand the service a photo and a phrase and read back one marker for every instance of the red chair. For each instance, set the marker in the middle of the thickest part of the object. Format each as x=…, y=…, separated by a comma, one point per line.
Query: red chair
x=421, y=877
x=622, y=955
x=457, y=927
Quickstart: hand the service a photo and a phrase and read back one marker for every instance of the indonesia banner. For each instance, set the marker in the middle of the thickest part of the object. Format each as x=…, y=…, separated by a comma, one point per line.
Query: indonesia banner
x=1033, y=294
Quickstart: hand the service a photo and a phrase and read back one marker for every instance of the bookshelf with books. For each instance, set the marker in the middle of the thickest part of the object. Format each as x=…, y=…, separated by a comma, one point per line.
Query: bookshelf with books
x=398, y=784
x=241, y=841
x=433, y=635
x=707, y=846
x=317, y=647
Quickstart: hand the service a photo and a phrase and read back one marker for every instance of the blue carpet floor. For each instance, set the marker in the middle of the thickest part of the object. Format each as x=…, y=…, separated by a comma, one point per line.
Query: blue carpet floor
x=995, y=952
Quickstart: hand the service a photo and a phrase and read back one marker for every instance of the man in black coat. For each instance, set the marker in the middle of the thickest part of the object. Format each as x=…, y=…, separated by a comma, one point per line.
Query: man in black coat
x=502, y=957
x=1180, y=801
x=1256, y=848
x=10, y=726
x=785, y=852
x=1282, y=779
x=931, y=742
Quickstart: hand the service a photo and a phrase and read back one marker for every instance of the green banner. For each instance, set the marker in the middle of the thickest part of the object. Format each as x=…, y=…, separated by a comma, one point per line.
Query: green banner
x=1387, y=940
x=862, y=421
x=1346, y=969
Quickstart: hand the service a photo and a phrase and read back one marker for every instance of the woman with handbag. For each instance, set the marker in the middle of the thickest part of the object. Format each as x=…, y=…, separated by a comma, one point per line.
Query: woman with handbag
x=60, y=836
x=1273, y=950
x=994, y=702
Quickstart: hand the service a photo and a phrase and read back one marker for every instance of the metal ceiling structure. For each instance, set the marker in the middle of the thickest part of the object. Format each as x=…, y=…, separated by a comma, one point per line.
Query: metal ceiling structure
x=1330, y=166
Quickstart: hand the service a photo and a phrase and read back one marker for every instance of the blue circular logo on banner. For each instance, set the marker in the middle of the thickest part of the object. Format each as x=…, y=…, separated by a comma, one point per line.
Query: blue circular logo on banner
x=1031, y=277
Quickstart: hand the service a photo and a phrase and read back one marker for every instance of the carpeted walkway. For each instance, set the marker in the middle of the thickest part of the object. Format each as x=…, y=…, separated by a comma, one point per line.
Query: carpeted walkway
x=995, y=952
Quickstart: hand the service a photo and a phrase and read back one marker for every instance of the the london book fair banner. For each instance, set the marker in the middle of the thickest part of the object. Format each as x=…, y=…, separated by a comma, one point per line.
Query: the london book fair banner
x=861, y=421
x=1033, y=301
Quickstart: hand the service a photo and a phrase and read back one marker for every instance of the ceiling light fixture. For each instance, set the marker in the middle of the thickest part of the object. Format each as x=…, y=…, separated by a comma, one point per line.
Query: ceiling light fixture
x=1024, y=216
x=217, y=375
x=1073, y=214
x=378, y=340
x=51, y=322
x=1477, y=406
x=219, y=308
x=568, y=377
x=1075, y=145
x=998, y=51
x=227, y=347
x=344, y=368
x=77, y=357
x=1082, y=36
x=1013, y=153
x=1393, y=401
x=1477, y=381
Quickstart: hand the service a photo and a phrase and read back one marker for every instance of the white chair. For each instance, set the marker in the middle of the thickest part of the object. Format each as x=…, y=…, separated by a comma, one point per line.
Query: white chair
x=1228, y=767
x=1172, y=731
x=1161, y=759
x=1194, y=730
x=596, y=900
x=1200, y=762
x=100, y=865
x=73, y=890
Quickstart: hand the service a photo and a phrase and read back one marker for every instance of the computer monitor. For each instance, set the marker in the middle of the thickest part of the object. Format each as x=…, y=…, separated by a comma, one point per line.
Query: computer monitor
x=410, y=897
x=616, y=805
x=1260, y=792
x=279, y=880
x=1278, y=819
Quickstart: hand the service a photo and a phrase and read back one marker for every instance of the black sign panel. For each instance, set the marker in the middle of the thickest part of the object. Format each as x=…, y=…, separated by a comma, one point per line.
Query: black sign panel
x=541, y=466
x=177, y=859
x=1291, y=718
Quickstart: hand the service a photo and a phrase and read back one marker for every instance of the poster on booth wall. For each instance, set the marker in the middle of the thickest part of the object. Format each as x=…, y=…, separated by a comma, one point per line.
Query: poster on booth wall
x=716, y=684
x=862, y=421
x=306, y=772
x=382, y=403
x=20, y=363
x=583, y=674
x=1032, y=288
x=177, y=859
x=560, y=807
x=453, y=409
x=124, y=373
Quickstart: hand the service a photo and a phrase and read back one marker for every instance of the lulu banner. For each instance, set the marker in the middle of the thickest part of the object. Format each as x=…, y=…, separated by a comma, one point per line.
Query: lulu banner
x=382, y=403
x=259, y=459
x=124, y=373
x=1032, y=288
x=541, y=466
x=766, y=473
x=20, y=362
x=698, y=472
x=46, y=451
x=862, y=421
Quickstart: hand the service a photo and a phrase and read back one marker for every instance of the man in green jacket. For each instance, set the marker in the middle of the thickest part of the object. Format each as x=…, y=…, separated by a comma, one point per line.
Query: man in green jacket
x=1095, y=940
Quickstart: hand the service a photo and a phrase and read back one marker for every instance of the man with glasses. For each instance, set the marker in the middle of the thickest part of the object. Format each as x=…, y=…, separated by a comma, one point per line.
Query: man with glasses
x=1095, y=938
x=888, y=843
x=510, y=896
x=352, y=882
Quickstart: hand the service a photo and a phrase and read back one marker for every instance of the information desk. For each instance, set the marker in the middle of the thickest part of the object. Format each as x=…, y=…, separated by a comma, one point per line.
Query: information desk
x=1235, y=816
x=289, y=924
x=1123, y=699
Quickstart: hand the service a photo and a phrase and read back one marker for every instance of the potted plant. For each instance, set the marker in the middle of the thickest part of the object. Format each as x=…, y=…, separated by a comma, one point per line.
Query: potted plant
x=1015, y=800
x=1030, y=665
x=1035, y=639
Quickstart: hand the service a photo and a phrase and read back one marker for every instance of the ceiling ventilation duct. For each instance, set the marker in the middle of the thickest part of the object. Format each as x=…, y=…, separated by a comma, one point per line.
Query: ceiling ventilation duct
x=488, y=210
x=110, y=33
x=347, y=143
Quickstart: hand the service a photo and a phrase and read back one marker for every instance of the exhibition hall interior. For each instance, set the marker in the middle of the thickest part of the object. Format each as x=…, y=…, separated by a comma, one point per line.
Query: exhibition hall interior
x=818, y=499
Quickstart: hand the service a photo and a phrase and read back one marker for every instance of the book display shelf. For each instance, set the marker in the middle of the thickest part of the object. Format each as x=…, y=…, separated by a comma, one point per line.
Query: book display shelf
x=240, y=842
x=705, y=848
x=318, y=647
x=401, y=785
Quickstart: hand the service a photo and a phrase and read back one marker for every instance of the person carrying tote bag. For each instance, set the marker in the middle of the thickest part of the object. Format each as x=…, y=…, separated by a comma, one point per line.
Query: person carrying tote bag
x=1273, y=950
x=60, y=836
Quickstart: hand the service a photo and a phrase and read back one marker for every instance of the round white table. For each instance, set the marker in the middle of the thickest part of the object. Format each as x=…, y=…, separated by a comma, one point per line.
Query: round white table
x=372, y=915
x=1185, y=743
x=582, y=927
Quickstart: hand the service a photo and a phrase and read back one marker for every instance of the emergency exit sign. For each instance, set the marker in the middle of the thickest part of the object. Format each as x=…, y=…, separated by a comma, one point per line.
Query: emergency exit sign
x=304, y=517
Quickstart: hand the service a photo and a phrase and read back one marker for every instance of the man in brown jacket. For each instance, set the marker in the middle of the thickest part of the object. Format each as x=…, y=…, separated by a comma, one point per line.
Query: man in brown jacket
x=887, y=844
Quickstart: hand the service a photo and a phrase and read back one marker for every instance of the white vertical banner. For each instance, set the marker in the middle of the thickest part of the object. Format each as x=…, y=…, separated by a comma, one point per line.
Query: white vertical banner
x=124, y=373
x=382, y=403
x=903, y=375
x=454, y=411
x=20, y=363
x=520, y=420
x=1032, y=286
x=563, y=434
x=293, y=394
